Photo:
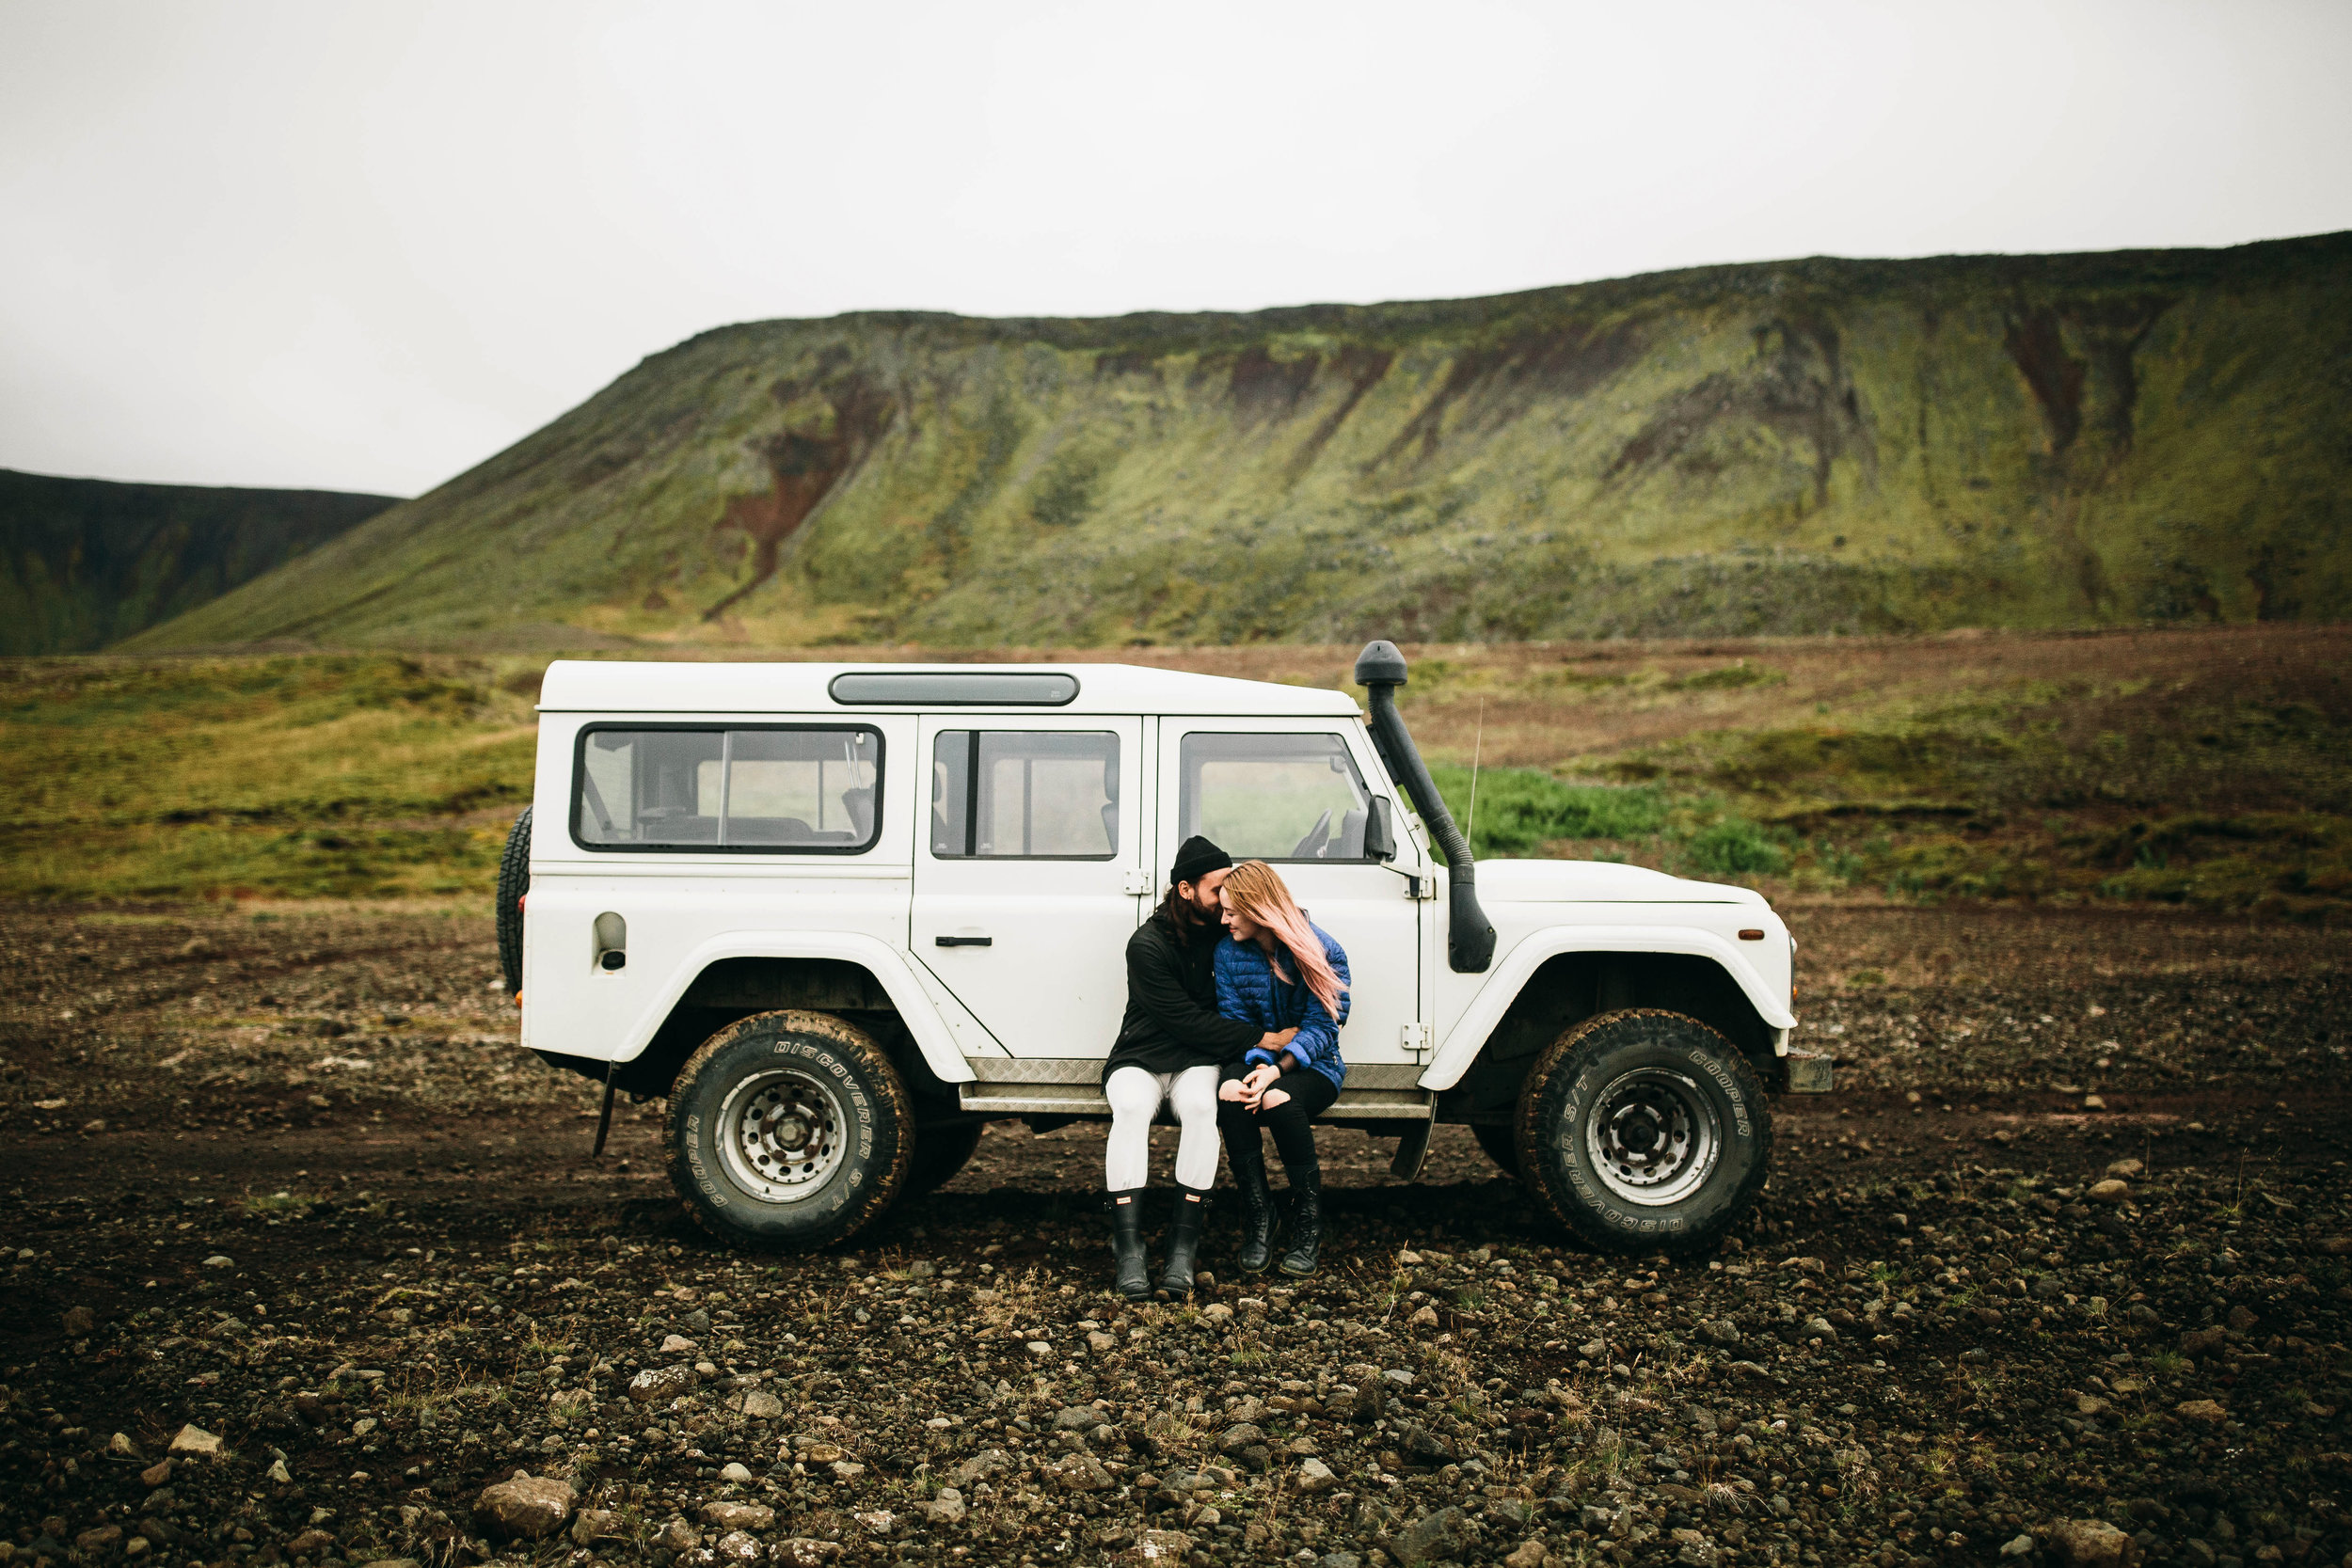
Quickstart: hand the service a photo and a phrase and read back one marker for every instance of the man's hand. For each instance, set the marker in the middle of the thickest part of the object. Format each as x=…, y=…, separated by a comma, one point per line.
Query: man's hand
x=1277, y=1040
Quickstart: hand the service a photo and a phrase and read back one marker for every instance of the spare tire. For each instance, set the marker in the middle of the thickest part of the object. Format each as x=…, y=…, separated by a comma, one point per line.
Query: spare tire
x=514, y=882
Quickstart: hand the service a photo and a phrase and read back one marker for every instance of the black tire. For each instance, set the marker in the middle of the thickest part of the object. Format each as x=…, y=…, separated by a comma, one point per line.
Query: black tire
x=940, y=1152
x=1640, y=1072
x=514, y=882
x=1501, y=1143
x=833, y=1095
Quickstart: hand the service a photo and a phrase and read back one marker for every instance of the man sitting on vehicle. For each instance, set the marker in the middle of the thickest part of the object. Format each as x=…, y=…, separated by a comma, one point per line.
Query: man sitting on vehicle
x=1171, y=1044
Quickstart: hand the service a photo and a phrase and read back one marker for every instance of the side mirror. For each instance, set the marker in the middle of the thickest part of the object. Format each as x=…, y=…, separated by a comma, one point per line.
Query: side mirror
x=1380, y=833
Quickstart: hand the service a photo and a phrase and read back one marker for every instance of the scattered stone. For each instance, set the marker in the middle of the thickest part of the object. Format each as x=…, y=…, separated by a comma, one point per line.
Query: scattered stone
x=2209, y=1411
x=2092, y=1543
x=527, y=1508
x=2109, y=1191
x=591, y=1525
x=676, y=1344
x=752, y=1517
x=1079, y=1472
x=78, y=1322
x=803, y=1552
x=738, y=1548
x=761, y=1405
x=946, y=1507
x=738, y=1473
x=193, y=1442
x=120, y=1446
x=1315, y=1475
x=656, y=1384
x=156, y=1474
x=1440, y=1537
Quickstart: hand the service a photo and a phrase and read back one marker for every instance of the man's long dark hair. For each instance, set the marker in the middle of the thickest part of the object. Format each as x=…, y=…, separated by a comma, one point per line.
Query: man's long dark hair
x=1181, y=911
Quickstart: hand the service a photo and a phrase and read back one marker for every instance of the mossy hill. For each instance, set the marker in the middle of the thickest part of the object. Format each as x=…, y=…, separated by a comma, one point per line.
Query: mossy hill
x=1809, y=446
x=85, y=562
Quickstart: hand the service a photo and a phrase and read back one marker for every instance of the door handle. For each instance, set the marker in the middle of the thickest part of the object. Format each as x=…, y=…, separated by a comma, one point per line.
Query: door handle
x=962, y=941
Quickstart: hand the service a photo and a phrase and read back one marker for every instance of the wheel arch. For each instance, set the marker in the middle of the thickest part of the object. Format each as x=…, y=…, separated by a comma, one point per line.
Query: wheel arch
x=1555, y=980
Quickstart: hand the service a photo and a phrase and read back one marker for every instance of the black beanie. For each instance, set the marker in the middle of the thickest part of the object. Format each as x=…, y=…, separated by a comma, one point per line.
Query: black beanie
x=1197, y=857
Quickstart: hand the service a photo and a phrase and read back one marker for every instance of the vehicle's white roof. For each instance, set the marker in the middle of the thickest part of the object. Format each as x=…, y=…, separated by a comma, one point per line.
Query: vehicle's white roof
x=602, y=686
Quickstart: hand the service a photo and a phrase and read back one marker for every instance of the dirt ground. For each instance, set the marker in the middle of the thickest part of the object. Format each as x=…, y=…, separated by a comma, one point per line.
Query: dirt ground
x=2058, y=1275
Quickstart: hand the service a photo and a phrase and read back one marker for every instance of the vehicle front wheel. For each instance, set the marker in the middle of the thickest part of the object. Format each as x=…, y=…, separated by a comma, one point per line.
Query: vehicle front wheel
x=1645, y=1131
x=790, y=1130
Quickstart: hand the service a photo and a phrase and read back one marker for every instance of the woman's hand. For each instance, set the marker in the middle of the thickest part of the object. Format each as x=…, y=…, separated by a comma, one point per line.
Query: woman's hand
x=1255, y=1081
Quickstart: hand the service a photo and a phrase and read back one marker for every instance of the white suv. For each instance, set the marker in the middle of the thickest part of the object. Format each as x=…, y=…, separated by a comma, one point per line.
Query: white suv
x=842, y=915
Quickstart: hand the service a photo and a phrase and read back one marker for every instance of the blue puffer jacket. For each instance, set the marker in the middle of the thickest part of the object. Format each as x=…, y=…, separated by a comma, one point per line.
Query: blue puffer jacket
x=1249, y=990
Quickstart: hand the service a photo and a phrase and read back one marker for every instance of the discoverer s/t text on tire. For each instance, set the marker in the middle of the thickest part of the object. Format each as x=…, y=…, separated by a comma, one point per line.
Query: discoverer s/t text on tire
x=1643, y=1131
x=790, y=1130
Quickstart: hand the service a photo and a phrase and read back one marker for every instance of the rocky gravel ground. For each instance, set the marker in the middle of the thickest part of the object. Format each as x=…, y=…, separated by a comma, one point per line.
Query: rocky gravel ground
x=304, y=1264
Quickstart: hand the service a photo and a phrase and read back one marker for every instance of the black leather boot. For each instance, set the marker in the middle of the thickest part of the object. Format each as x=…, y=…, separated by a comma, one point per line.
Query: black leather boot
x=1306, y=1219
x=1135, y=1269
x=1184, y=1242
x=1256, y=1216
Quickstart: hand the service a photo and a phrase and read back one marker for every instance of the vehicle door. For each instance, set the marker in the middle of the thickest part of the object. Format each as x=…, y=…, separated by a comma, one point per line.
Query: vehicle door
x=1028, y=875
x=1293, y=793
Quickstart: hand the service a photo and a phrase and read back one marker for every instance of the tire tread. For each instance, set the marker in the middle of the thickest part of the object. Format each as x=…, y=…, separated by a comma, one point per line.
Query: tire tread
x=1581, y=1221
x=877, y=1196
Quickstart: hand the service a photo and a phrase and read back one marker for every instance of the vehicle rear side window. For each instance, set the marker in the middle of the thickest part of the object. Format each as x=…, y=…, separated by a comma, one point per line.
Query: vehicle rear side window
x=1025, y=794
x=1273, y=797
x=789, y=790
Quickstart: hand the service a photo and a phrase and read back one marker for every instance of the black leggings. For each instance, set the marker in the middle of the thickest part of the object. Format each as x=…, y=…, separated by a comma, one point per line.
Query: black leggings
x=1311, y=1095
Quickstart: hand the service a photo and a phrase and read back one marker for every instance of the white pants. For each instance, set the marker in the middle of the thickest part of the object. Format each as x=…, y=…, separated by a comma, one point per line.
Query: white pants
x=1135, y=1096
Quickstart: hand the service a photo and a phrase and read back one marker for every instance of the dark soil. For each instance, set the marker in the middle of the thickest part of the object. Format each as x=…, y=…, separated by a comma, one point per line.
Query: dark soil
x=284, y=1179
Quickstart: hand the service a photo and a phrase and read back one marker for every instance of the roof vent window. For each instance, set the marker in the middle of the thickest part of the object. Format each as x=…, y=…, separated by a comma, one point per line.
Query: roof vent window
x=951, y=688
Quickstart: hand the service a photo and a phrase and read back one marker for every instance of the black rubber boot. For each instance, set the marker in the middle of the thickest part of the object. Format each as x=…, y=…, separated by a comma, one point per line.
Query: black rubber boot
x=1184, y=1242
x=1306, y=1219
x=1135, y=1269
x=1256, y=1216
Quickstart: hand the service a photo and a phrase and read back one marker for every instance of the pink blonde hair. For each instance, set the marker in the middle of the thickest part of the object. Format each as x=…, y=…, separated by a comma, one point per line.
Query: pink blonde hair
x=1258, y=892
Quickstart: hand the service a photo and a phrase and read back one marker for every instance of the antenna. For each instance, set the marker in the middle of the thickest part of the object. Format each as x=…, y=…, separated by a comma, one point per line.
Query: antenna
x=1477, y=744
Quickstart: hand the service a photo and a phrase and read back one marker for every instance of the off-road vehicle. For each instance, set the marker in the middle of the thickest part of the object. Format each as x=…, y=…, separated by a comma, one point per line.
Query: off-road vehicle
x=843, y=916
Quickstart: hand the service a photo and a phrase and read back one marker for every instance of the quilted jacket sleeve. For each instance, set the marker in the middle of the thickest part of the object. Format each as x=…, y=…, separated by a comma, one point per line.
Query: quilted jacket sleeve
x=1317, y=1042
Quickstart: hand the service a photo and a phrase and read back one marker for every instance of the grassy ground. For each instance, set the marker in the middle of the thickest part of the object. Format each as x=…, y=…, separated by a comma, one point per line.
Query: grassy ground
x=2202, y=768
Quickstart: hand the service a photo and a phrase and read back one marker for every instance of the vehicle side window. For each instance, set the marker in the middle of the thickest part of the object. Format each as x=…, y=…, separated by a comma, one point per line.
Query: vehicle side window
x=1274, y=797
x=1025, y=794
x=808, y=791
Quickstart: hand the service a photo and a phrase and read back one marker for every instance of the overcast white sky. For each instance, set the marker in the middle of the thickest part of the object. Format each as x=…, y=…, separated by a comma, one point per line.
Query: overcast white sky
x=365, y=245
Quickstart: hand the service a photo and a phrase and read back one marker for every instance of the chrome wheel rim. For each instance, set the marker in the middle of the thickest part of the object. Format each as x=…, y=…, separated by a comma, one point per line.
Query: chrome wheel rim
x=782, y=1135
x=1653, y=1136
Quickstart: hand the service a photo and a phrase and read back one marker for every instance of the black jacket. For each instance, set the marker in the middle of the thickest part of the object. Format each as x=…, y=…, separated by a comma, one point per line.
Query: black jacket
x=1172, y=1022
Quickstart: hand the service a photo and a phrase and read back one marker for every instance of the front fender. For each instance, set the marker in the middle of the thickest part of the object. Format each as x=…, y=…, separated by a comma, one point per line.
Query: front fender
x=1463, y=1042
x=878, y=958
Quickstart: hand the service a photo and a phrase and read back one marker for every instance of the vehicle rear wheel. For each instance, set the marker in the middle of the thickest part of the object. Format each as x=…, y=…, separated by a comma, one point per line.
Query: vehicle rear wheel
x=940, y=1152
x=514, y=882
x=790, y=1130
x=1501, y=1143
x=1645, y=1131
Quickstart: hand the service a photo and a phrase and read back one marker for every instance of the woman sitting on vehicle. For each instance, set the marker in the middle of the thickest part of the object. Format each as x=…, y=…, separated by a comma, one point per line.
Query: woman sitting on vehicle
x=1280, y=972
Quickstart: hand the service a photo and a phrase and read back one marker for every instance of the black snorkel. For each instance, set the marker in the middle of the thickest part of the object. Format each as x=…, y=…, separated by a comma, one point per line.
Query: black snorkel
x=1470, y=935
